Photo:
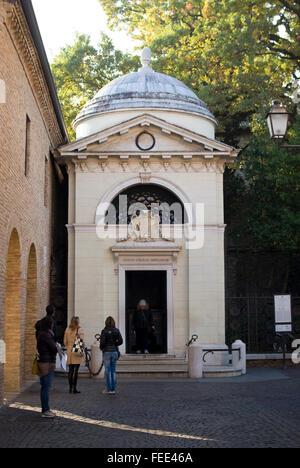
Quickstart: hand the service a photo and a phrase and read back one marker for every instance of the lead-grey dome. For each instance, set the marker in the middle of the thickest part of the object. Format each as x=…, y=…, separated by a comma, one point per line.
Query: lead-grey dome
x=145, y=90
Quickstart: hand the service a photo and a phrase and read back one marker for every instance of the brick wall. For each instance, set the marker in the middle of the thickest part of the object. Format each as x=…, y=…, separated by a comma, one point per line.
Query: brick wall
x=25, y=221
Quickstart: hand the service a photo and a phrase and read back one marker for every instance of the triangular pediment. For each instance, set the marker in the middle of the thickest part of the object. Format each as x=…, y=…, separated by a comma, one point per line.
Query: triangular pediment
x=147, y=134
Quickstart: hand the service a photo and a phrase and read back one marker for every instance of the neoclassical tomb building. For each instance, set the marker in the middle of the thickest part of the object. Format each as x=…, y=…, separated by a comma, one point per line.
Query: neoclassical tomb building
x=146, y=212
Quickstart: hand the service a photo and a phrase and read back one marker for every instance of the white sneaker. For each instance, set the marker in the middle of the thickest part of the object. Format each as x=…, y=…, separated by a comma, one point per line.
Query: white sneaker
x=48, y=415
x=146, y=351
x=139, y=352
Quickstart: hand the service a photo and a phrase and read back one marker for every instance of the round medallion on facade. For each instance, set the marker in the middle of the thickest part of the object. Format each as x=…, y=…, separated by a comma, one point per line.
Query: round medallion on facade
x=145, y=141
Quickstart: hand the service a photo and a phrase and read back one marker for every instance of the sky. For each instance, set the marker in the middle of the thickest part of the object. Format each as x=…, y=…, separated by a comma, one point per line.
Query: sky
x=59, y=20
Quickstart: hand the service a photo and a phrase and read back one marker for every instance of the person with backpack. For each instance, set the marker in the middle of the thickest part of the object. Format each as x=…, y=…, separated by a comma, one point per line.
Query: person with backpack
x=111, y=339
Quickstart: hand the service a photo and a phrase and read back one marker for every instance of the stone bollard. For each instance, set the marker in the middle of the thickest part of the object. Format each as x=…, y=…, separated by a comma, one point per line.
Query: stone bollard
x=2, y=352
x=96, y=360
x=237, y=362
x=2, y=92
x=195, y=362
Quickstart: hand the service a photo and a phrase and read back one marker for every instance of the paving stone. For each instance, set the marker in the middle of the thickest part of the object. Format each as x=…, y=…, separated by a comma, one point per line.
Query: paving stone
x=254, y=412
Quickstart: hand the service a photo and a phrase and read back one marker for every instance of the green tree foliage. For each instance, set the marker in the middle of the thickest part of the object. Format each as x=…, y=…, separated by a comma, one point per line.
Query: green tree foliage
x=81, y=70
x=263, y=194
x=237, y=55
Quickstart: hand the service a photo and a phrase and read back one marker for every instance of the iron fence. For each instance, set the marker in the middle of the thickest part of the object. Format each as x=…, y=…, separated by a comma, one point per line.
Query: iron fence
x=252, y=319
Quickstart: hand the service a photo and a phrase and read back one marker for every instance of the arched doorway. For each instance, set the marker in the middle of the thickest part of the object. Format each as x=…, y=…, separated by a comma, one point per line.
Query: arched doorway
x=31, y=313
x=12, y=368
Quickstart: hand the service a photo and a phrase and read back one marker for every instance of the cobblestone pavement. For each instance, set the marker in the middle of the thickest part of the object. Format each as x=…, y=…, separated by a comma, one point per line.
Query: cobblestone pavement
x=261, y=410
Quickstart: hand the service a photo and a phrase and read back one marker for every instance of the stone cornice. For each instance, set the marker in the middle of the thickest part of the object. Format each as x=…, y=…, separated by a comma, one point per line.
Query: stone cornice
x=147, y=169
x=20, y=33
x=177, y=229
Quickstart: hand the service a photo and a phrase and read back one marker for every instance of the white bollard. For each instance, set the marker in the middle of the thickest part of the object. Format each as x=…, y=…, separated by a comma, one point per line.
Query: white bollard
x=239, y=360
x=2, y=352
x=195, y=362
x=2, y=92
x=96, y=360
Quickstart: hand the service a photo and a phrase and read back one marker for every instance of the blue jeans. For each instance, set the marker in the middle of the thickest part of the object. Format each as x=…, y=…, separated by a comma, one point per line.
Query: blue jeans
x=46, y=384
x=110, y=363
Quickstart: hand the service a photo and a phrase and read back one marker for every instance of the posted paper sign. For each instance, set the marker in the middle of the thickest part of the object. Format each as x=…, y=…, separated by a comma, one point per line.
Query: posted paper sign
x=283, y=309
x=284, y=328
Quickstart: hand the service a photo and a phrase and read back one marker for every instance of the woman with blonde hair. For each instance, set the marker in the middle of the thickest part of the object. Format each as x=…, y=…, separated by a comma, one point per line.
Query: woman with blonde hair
x=74, y=360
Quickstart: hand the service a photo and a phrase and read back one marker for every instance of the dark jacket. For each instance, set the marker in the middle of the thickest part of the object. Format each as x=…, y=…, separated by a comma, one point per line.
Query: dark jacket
x=46, y=346
x=111, y=338
x=142, y=319
x=38, y=326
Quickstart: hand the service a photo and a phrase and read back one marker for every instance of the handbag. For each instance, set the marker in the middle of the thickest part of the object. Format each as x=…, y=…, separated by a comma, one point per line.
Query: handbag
x=78, y=346
x=35, y=367
x=116, y=343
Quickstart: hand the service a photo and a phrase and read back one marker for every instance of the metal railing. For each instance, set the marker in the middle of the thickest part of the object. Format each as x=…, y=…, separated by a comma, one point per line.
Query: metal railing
x=252, y=320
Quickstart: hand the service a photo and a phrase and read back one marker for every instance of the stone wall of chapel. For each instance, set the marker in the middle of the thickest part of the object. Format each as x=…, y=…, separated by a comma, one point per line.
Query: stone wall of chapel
x=199, y=187
x=199, y=283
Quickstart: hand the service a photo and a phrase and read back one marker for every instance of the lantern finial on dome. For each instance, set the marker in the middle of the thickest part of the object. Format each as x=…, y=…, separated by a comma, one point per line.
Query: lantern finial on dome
x=146, y=60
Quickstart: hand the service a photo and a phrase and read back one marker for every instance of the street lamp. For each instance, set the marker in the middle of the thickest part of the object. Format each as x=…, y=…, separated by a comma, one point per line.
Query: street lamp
x=277, y=120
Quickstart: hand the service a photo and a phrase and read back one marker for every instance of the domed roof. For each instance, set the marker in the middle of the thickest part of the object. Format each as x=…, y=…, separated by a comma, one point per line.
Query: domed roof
x=145, y=89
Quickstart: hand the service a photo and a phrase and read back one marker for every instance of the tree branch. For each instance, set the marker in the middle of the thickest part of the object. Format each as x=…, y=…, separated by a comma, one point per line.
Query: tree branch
x=290, y=55
x=290, y=7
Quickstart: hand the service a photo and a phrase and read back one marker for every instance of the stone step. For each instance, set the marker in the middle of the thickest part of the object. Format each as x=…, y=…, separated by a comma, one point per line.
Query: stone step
x=220, y=372
x=147, y=357
x=153, y=368
x=156, y=374
x=175, y=362
x=163, y=368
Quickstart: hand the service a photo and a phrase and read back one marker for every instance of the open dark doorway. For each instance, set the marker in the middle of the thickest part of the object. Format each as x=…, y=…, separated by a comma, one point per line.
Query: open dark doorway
x=151, y=286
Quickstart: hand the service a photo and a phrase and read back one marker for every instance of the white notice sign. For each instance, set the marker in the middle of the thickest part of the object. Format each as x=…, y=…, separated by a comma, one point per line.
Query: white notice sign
x=284, y=328
x=283, y=309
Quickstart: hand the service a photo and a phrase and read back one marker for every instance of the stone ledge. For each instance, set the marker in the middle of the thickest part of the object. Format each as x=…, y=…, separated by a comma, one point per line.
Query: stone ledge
x=263, y=357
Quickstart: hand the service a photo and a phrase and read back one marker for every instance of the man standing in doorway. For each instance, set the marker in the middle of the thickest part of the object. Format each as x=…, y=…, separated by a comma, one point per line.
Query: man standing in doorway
x=142, y=324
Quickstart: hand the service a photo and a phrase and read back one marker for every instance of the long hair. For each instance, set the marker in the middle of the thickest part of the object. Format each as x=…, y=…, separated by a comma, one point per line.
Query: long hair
x=110, y=323
x=74, y=323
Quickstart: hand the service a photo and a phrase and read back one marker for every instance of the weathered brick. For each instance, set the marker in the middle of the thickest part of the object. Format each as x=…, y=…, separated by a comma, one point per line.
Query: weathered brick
x=25, y=218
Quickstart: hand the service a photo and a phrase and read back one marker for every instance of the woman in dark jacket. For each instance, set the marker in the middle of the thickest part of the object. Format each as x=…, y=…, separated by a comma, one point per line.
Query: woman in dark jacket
x=47, y=350
x=111, y=339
